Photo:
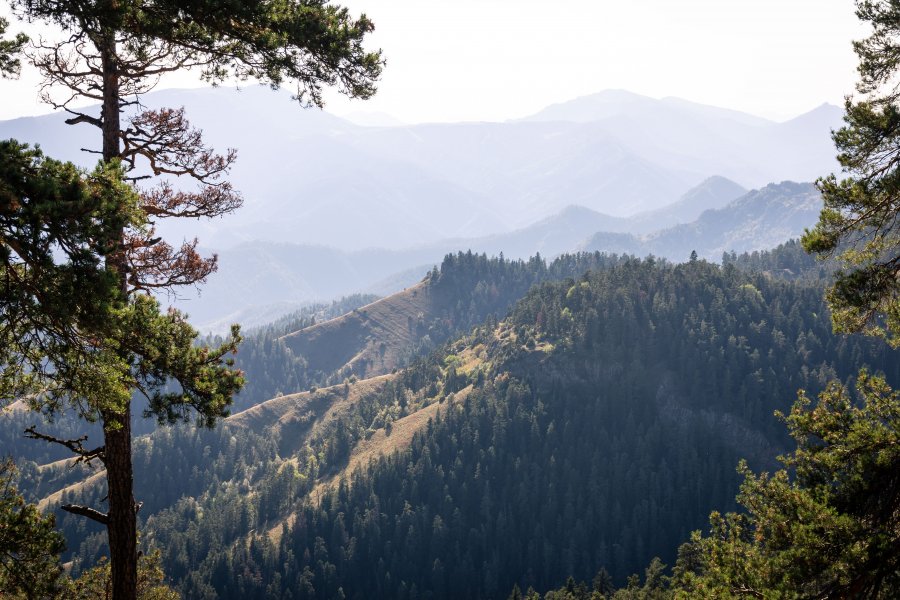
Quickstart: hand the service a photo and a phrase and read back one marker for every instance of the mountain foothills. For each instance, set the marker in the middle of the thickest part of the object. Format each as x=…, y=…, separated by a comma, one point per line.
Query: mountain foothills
x=502, y=423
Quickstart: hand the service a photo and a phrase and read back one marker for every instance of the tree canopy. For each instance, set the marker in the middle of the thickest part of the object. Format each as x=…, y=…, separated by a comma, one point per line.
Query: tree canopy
x=827, y=525
x=829, y=531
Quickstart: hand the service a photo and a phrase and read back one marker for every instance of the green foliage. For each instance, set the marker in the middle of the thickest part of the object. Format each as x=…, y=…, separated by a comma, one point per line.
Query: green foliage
x=832, y=530
x=307, y=42
x=9, y=51
x=56, y=225
x=827, y=525
x=655, y=587
x=95, y=584
x=29, y=545
x=608, y=430
x=858, y=223
x=68, y=335
x=788, y=261
x=161, y=348
x=603, y=450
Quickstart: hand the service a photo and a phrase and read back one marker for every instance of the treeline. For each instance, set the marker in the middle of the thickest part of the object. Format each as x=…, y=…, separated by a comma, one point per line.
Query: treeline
x=469, y=288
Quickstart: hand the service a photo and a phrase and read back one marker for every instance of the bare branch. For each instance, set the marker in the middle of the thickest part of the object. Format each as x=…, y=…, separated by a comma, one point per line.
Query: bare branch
x=76, y=446
x=171, y=146
x=82, y=118
x=84, y=511
x=155, y=264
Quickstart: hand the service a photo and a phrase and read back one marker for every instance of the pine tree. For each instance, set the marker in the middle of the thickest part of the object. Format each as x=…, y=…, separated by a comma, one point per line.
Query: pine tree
x=114, y=51
x=828, y=525
x=858, y=223
x=69, y=338
x=29, y=545
x=833, y=530
x=9, y=51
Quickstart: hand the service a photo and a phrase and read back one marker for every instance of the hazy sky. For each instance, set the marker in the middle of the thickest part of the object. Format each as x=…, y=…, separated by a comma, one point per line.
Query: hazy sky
x=452, y=60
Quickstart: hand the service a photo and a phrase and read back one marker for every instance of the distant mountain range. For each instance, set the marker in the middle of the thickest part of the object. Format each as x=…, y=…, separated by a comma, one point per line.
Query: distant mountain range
x=334, y=208
x=312, y=178
x=758, y=220
x=259, y=280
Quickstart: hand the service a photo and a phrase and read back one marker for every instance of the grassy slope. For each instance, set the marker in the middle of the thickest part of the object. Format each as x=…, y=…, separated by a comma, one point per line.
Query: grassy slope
x=369, y=341
x=293, y=419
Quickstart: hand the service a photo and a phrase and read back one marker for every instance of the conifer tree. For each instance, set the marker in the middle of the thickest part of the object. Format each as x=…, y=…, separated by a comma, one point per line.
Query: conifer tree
x=29, y=545
x=858, y=223
x=9, y=51
x=112, y=52
x=830, y=531
x=828, y=525
x=70, y=339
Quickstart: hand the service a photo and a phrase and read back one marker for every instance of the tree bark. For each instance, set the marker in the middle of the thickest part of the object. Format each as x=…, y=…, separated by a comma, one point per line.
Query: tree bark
x=109, y=114
x=122, y=519
x=121, y=527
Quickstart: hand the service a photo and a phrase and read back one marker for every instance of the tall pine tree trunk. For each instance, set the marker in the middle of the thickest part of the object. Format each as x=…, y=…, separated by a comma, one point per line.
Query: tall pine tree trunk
x=122, y=519
x=122, y=525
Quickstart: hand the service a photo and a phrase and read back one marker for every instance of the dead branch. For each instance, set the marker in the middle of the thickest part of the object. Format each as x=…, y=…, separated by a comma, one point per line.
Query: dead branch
x=76, y=446
x=84, y=511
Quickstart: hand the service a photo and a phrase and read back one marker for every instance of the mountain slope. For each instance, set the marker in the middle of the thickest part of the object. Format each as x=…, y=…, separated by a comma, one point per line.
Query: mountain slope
x=681, y=135
x=467, y=288
x=272, y=278
x=713, y=193
x=636, y=386
x=758, y=220
x=370, y=340
x=585, y=435
x=294, y=419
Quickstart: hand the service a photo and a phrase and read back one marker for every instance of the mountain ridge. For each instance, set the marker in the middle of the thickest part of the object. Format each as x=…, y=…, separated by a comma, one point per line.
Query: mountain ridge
x=324, y=180
x=269, y=273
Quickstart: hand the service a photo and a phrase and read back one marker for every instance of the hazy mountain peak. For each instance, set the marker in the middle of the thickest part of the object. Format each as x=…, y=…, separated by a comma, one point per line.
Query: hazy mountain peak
x=711, y=193
x=593, y=107
x=577, y=211
x=825, y=115
x=714, y=185
x=619, y=103
x=757, y=220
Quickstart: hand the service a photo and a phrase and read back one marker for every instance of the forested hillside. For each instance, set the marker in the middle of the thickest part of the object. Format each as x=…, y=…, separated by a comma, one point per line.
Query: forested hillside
x=594, y=427
x=616, y=397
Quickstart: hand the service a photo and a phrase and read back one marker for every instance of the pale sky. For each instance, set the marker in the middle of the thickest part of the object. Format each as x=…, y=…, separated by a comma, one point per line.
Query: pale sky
x=452, y=60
